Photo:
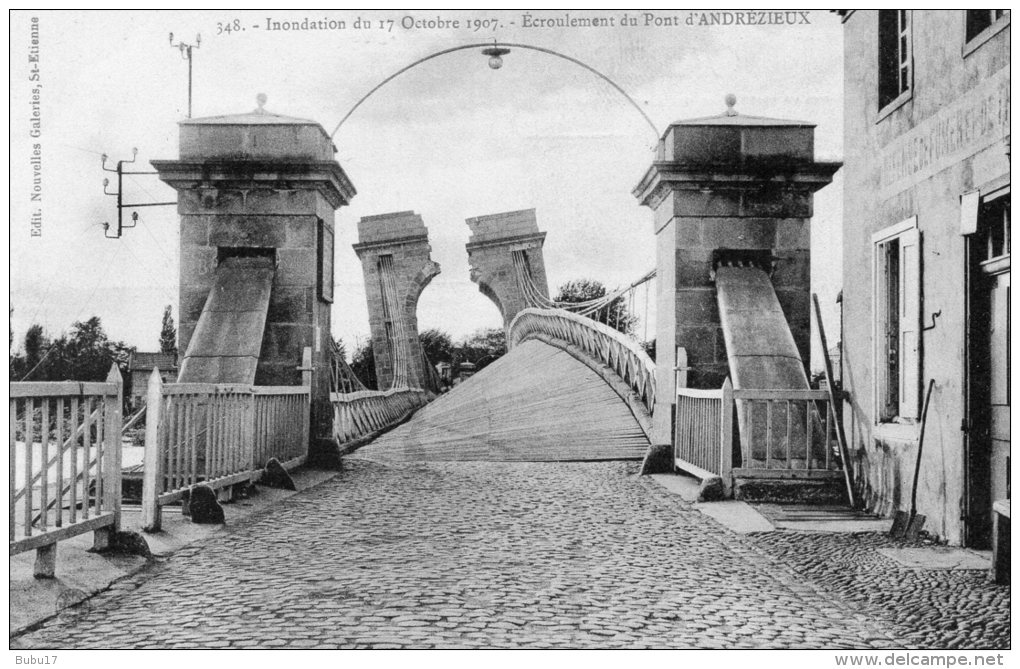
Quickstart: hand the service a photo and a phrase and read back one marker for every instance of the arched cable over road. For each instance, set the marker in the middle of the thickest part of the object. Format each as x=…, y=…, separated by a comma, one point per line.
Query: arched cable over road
x=500, y=45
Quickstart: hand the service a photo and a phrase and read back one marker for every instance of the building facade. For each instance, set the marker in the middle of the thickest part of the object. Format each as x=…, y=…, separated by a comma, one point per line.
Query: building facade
x=140, y=366
x=926, y=250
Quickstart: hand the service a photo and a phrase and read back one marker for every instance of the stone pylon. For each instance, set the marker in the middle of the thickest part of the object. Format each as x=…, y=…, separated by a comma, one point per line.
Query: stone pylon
x=259, y=189
x=727, y=190
x=494, y=240
x=395, y=257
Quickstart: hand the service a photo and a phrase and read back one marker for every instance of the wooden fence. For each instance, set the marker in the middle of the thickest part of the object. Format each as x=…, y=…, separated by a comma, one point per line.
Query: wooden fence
x=359, y=414
x=64, y=465
x=782, y=433
x=704, y=432
x=219, y=436
x=785, y=432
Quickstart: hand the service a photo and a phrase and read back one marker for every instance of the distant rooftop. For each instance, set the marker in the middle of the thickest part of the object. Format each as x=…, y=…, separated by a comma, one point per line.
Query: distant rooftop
x=141, y=361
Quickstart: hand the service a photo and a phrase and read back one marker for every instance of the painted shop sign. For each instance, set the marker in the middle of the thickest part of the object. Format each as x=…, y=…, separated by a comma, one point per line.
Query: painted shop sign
x=954, y=133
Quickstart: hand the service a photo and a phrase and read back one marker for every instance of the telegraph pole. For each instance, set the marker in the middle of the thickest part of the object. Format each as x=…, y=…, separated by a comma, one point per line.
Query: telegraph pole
x=187, y=55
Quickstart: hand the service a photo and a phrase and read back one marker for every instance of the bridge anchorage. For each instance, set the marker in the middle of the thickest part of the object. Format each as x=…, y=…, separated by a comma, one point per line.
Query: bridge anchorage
x=728, y=396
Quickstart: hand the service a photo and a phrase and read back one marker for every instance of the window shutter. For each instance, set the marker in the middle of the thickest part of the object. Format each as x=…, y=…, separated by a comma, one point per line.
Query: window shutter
x=910, y=322
x=969, y=203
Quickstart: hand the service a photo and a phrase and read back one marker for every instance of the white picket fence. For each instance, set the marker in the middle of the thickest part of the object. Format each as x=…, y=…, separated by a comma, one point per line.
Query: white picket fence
x=219, y=436
x=65, y=455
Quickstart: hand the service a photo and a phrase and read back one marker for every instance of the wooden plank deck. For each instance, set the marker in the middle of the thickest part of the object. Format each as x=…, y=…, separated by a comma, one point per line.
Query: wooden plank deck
x=537, y=403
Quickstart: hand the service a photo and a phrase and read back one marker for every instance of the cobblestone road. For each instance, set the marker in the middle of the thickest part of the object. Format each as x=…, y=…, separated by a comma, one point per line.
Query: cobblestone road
x=927, y=608
x=452, y=555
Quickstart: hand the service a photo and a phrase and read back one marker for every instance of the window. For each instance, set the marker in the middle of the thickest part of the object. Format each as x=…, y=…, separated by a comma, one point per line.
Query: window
x=897, y=321
x=978, y=20
x=994, y=228
x=324, y=265
x=894, y=57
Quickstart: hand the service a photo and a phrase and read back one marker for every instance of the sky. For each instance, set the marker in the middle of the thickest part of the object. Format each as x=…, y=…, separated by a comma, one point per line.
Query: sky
x=449, y=139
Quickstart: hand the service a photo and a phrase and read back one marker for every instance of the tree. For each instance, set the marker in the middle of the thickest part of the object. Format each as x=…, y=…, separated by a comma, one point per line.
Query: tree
x=438, y=345
x=614, y=314
x=35, y=348
x=168, y=333
x=85, y=354
x=482, y=347
x=363, y=365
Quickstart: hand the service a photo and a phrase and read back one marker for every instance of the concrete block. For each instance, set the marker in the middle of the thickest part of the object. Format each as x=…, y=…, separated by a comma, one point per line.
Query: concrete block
x=693, y=273
x=255, y=141
x=796, y=305
x=276, y=373
x=795, y=144
x=703, y=144
x=776, y=202
x=286, y=341
x=184, y=332
x=793, y=234
x=738, y=233
x=198, y=263
x=275, y=476
x=265, y=201
x=792, y=269
x=706, y=203
x=231, y=333
x=709, y=375
x=245, y=231
x=203, y=506
x=195, y=230
x=297, y=267
x=290, y=304
x=737, y=516
x=697, y=306
x=397, y=225
x=700, y=342
x=192, y=301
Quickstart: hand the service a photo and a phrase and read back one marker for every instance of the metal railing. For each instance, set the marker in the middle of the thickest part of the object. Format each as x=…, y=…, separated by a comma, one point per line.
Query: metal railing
x=356, y=415
x=219, y=436
x=601, y=343
x=65, y=456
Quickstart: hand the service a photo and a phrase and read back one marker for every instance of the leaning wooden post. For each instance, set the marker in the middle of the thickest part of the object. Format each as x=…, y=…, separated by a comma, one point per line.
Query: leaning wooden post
x=306, y=381
x=112, y=455
x=151, y=475
x=837, y=409
x=726, y=437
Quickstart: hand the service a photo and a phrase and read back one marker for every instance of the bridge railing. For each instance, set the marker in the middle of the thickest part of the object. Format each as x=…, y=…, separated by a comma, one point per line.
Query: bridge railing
x=65, y=455
x=782, y=433
x=357, y=415
x=786, y=431
x=704, y=432
x=598, y=341
x=217, y=435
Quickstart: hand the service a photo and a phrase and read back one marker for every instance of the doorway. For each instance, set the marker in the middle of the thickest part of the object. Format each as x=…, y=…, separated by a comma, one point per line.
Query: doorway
x=989, y=373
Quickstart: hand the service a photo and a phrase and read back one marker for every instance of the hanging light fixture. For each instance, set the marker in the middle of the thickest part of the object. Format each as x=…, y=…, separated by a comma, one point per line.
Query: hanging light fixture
x=495, y=54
